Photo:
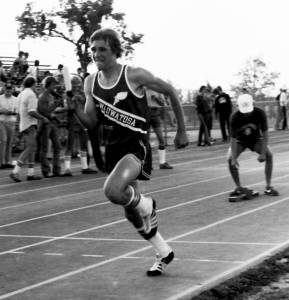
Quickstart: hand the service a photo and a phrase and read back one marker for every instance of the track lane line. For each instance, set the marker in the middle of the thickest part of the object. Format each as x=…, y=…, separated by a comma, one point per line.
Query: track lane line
x=151, y=192
x=132, y=253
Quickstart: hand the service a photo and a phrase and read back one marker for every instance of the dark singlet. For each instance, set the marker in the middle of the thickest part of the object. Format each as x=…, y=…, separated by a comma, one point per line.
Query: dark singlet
x=124, y=112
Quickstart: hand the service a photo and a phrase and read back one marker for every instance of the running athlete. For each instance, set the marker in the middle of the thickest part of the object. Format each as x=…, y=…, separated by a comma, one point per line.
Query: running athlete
x=115, y=97
x=249, y=130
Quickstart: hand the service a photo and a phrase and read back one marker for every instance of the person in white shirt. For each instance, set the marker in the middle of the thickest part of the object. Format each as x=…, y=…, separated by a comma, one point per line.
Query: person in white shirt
x=8, y=118
x=33, y=71
x=28, y=120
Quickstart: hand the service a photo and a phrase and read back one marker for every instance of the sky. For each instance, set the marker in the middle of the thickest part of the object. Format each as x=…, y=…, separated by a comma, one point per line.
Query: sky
x=189, y=42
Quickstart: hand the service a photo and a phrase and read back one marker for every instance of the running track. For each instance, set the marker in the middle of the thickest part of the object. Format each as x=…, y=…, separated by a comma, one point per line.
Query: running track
x=61, y=239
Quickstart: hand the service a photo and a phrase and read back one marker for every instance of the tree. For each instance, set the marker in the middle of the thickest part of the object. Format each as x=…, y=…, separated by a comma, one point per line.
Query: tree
x=74, y=22
x=255, y=77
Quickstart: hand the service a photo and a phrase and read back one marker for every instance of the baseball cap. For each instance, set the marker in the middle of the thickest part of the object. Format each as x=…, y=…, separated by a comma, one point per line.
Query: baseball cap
x=245, y=103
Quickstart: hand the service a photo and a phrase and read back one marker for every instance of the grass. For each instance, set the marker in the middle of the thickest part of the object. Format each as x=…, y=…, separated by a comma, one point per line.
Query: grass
x=266, y=281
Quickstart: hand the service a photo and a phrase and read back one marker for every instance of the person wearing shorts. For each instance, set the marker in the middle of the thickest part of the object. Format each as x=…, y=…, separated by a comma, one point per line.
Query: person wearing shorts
x=249, y=129
x=115, y=97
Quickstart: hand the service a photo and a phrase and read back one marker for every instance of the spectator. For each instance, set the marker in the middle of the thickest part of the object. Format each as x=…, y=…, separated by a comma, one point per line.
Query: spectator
x=282, y=102
x=34, y=71
x=76, y=131
x=28, y=117
x=223, y=110
x=80, y=73
x=156, y=104
x=48, y=107
x=2, y=73
x=8, y=116
x=17, y=65
x=58, y=74
x=204, y=112
x=25, y=64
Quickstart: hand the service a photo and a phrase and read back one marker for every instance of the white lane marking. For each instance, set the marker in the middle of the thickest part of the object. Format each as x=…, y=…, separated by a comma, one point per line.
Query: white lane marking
x=192, y=259
x=53, y=254
x=92, y=255
x=151, y=192
x=207, y=284
x=132, y=253
x=124, y=220
x=136, y=240
x=52, y=215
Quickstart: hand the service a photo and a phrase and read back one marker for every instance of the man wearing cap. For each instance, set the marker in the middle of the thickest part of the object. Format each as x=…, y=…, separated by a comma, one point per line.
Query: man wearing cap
x=249, y=129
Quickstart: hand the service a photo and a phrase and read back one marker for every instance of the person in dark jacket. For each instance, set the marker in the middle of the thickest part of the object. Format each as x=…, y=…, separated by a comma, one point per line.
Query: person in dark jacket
x=204, y=112
x=223, y=110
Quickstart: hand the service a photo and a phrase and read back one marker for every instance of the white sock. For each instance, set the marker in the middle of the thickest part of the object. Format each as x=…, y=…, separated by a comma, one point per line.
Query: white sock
x=162, y=156
x=16, y=169
x=30, y=171
x=83, y=160
x=160, y=245
x=67, y=162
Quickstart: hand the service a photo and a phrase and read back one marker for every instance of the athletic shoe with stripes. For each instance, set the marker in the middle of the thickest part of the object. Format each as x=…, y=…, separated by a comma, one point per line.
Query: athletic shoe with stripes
x=160, y=264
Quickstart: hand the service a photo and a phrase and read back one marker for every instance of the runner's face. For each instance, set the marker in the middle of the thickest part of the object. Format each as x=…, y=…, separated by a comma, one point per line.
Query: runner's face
x=102, y=54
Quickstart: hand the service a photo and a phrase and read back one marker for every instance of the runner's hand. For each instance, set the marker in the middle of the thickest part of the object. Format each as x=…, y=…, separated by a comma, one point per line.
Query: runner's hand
x=261, y=158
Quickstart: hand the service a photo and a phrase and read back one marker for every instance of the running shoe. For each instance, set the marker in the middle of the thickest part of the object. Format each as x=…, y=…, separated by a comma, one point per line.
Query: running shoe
x=160, y=264
x=15, y=177
x=166, y=166
x=33, y=177
x=88, y=171
x=270, y=191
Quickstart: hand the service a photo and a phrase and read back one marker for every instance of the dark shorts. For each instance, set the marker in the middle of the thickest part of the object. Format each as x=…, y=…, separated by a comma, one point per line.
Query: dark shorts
x=251, y=145
x=140, y=148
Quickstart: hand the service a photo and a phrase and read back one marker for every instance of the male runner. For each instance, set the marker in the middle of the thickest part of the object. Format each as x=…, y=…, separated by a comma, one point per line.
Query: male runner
x=115, y=97
x=249, y=130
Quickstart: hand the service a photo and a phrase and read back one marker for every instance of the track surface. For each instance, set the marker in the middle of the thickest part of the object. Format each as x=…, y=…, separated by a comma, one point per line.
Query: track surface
x=61, y=239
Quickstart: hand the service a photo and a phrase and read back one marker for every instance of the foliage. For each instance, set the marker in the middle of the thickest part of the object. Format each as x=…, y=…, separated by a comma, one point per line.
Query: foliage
x=75, y=21
x=255, y=78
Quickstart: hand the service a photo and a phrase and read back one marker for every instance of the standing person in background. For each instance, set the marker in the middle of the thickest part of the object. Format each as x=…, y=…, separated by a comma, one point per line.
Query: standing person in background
x=223, y=110
x=76, y=130
x=204, y=112
x=28, y=120
x=283, y=100
x=48, y=107
x=117, y=93
x=8, y=118
x=33, y=71
x=156, y=105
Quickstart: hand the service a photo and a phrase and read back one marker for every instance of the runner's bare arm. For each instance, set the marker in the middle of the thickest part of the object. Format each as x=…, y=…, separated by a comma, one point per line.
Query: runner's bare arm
x=140, y=78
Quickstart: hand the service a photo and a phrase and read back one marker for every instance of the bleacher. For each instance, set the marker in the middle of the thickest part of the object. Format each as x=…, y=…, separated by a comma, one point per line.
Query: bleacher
x=7, y=62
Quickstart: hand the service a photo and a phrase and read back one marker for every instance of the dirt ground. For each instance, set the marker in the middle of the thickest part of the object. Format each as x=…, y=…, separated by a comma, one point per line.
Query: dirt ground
x=267, y=281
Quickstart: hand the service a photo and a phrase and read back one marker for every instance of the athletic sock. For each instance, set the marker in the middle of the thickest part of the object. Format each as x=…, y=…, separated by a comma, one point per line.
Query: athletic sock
x=67, y=162
x=83, y=160
x=30, y=170
x=162, y=155
x=160, y=245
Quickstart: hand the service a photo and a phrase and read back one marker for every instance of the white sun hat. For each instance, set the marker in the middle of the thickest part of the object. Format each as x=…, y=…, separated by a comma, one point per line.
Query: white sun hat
x=245, y=103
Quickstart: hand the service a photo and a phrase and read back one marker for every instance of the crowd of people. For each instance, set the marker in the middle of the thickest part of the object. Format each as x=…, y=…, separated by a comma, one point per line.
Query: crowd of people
x=115, y=107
